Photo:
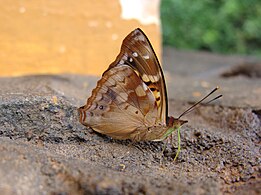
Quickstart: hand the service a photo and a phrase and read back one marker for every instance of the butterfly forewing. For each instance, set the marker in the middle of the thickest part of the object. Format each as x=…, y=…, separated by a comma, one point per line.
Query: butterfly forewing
x=137, y=52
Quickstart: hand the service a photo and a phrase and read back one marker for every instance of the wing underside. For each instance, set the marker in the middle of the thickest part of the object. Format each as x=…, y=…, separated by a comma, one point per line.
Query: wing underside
x=137, y=52
x=120, y=104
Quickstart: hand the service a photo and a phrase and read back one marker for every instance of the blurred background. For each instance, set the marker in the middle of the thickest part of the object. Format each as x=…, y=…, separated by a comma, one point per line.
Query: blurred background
x=84, y=37
x=225, y=26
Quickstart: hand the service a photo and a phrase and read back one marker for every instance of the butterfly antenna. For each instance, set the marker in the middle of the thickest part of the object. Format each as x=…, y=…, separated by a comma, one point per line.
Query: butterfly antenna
x=193, y=106
x=219, y=96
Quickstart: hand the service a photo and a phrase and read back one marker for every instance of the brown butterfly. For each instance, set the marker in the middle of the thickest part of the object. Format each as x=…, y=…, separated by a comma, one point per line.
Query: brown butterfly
x=130, y=100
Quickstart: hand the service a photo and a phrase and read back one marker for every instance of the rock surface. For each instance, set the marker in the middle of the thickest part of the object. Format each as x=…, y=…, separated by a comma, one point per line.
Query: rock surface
x=44, y=149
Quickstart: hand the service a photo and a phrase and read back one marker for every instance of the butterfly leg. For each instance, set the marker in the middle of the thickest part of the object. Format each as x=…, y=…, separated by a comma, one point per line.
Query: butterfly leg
x=132, y=143
x=164, y=148
x=171, y=138
x=162, y=153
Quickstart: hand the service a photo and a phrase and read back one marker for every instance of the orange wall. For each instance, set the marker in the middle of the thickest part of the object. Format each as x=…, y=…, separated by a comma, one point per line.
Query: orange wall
x=50, y=37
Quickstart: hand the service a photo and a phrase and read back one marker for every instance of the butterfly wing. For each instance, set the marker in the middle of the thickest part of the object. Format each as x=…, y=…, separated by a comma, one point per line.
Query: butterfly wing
x=120, y=104
x=137, y=52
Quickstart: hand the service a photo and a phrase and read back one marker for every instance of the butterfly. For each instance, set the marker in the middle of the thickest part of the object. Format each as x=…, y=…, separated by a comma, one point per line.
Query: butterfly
x=130, y=100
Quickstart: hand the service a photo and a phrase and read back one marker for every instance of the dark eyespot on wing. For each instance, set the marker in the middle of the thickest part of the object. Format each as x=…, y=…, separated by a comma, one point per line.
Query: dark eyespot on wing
x=148, y=83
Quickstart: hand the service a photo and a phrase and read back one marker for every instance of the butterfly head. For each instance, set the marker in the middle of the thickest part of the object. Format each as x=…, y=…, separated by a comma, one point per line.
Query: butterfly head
x=172, y=125
x=175, y=123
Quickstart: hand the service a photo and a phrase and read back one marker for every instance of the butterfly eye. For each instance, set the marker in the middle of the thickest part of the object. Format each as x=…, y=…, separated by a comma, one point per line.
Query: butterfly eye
x=101, y=107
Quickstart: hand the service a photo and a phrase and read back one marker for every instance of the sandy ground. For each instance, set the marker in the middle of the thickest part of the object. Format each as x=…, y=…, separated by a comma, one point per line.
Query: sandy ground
x=45, y=150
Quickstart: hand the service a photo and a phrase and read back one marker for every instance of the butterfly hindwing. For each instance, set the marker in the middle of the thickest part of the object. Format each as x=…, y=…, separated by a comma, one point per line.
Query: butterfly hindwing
x=120, y=104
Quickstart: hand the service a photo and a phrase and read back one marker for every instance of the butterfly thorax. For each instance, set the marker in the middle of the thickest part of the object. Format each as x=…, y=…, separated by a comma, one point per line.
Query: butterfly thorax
x=165, y=131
